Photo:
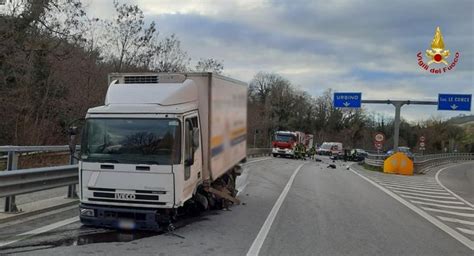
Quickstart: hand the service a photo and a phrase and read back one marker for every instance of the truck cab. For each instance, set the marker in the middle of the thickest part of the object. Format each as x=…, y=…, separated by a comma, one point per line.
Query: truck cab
x=144, y=153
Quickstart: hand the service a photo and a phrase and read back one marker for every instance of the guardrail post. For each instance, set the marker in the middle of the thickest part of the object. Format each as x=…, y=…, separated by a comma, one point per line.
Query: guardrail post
x=71, y=191
x=12, y=164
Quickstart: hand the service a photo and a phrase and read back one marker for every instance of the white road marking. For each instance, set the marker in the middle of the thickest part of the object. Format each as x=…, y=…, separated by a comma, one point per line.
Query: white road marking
x=429, y=196
x=411, y=187
x=454, y=194
x=37, y=216
x=443, y=206
x=467, y=231
x=437, y=188
x=465, y=222
x=421, y=192
x=259, y=160
x=470, y=215
x=242, y=181
x=262, y=234
x=433, y=200
x=404, y=183
x=455, y=234
x=40, y=230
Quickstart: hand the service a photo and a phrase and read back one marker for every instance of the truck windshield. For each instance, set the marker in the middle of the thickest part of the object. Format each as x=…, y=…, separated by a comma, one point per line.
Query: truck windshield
x=146, y=141
x=284, y=138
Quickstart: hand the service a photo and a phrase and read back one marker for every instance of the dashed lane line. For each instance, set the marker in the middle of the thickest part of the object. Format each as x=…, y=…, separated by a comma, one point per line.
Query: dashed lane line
x=262, y=234
x=454, y=233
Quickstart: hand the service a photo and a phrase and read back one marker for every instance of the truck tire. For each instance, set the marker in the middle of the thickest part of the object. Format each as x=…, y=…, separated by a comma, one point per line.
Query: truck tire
x=275, y=155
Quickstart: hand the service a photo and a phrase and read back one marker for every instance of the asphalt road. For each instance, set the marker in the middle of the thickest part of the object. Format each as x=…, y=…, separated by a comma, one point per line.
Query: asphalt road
x=460, y=180
x=324, y=211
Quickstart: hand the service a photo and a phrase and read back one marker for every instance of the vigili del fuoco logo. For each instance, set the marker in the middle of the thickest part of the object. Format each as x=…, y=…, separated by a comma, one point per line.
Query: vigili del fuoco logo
x=438, y=56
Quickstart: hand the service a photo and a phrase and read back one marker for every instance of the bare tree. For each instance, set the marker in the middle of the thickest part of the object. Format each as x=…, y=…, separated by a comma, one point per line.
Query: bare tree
x=127, y=41
x=210, y=65
x=169, y=57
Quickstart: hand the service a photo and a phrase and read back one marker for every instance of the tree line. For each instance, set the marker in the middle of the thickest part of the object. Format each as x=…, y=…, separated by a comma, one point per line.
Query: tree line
x=54, y=61
x=275, y=104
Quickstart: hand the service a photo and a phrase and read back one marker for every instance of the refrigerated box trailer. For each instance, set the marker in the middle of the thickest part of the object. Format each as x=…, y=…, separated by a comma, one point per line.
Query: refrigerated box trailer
x=161, y=144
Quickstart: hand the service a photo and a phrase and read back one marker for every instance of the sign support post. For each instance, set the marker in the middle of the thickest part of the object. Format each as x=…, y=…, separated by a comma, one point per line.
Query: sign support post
x=445, y=102
x=398, y=104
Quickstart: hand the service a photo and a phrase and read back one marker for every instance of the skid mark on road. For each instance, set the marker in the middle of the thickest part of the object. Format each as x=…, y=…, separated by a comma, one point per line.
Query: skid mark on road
x=430, y=199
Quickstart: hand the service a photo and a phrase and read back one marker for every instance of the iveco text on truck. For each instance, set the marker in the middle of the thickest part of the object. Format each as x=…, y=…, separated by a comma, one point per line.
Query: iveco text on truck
x=162, y=144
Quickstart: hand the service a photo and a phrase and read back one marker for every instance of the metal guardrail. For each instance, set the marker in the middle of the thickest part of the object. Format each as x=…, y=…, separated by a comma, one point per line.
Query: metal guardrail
x=36, y=179
x=254, y=152
x=16, y=182
x=424, y=162
x=24, y=149
x=375, y=160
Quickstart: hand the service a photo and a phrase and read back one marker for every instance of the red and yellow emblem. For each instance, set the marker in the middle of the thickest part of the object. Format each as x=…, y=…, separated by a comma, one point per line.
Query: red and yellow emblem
x=437, y=53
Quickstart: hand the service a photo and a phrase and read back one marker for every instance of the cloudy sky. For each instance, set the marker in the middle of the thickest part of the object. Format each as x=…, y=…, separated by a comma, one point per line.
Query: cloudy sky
x=347, y=45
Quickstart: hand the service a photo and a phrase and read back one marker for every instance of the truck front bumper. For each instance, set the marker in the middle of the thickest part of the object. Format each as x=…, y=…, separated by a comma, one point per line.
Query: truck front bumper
x=118, y=218
x=283, y=152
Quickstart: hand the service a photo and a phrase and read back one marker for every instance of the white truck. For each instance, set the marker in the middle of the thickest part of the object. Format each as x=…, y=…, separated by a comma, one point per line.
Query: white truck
x=162, y=144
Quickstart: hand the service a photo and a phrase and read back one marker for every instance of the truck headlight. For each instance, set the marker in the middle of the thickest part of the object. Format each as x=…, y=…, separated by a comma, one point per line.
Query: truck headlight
x=87, y=212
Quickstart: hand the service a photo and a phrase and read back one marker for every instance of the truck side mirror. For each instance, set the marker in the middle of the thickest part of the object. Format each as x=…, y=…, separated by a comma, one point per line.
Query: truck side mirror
x=195, y=139
x=189, y=162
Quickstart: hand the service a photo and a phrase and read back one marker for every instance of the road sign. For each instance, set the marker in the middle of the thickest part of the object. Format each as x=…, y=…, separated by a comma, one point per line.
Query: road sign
x=422, y=144
x=347, y=99
x=378, y=146
x=422, y=138
x=379, y=137
x=459, y=102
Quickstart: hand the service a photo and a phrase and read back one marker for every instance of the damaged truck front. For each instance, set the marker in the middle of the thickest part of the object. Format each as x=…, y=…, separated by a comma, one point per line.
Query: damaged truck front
x=163, y=144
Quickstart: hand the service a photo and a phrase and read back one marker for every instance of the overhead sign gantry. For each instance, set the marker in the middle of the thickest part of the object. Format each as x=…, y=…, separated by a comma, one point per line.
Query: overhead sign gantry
x=452, y=102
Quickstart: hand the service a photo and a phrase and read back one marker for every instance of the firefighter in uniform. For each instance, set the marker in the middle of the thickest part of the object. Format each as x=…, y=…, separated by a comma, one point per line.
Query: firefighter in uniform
x=312, y=152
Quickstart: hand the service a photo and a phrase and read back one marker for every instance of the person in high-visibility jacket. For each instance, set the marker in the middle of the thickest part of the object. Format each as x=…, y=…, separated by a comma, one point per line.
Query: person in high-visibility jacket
x=312, y=152
x=300, y=151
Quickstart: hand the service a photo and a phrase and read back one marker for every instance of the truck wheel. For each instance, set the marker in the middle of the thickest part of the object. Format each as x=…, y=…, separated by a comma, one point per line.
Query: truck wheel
x=275, y=155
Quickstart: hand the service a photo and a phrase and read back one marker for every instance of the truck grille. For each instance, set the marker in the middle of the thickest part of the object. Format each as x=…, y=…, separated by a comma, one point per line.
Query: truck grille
x=140, y=196
x=125, y=201
x=137, y=196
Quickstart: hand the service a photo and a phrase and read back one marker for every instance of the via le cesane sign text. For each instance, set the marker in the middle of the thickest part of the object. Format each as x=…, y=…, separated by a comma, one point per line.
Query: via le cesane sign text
x=460, y=102
x=347, y=99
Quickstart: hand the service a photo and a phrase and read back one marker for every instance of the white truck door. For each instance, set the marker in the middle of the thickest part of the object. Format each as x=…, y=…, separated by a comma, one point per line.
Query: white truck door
x=192, y=155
